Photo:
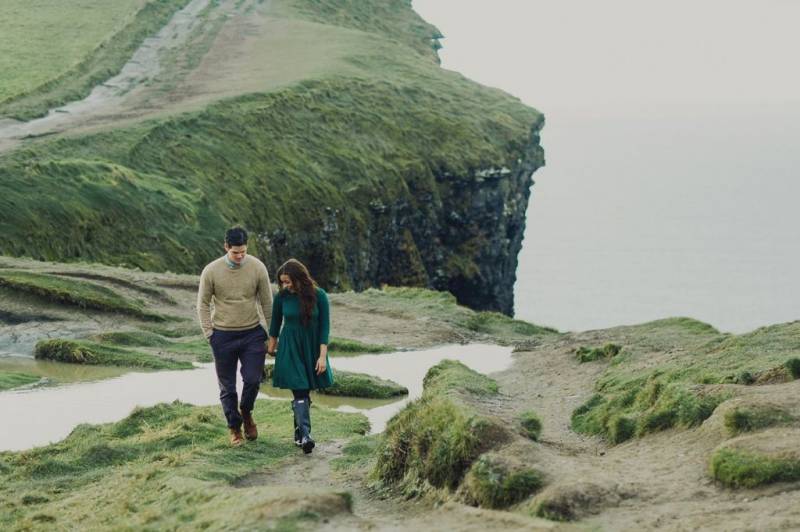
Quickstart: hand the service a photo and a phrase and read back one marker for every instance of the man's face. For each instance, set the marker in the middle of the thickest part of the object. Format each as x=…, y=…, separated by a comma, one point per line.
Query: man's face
x=236, y=254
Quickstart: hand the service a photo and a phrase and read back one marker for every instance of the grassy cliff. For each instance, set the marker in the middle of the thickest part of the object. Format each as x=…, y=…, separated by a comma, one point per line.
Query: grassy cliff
x=391, y=171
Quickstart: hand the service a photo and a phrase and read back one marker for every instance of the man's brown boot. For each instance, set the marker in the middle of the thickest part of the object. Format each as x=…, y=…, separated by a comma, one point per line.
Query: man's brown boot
x=250, y=429
x=236, y=437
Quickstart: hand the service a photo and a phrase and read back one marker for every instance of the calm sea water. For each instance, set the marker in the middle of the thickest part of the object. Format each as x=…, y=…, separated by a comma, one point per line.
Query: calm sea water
x=679, y=210
x=671, y=185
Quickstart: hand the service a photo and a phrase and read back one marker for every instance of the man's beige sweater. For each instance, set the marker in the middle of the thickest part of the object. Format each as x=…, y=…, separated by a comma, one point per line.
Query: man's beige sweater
x=234, y=293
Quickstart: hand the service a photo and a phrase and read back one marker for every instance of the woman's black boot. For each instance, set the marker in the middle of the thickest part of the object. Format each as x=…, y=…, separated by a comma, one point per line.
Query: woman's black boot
x=302, y=412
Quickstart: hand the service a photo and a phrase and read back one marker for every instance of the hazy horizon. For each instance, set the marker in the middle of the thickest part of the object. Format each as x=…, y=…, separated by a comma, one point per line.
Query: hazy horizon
x=670, y=185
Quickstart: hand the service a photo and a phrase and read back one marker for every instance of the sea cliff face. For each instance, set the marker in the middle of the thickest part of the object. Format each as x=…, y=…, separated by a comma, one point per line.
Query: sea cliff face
x=460, y=233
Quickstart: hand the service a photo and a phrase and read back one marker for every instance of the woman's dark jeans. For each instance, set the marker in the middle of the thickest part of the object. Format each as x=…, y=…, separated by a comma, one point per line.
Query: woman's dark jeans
x=249, y=349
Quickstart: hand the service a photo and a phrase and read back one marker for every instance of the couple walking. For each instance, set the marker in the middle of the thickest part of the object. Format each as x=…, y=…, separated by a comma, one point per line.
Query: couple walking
x=298, y=318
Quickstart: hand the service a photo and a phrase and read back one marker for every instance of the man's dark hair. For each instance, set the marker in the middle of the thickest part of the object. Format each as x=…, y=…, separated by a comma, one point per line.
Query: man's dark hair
x=236, y=236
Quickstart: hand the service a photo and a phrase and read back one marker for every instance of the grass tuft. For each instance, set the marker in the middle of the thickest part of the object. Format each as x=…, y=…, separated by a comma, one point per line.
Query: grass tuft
x=351, y=384
x=737, y=468
x=531, y=425
x=793, y=365
x=494, y=323
x=495, y=482
x=434, y=440
x=751, y=418
x=451, y=376
x=590, y=354
x=346, y=347
x=9, y=380
x=92, y=353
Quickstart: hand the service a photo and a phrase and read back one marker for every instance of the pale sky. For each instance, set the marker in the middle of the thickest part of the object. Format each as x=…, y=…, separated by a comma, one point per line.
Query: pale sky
x=564, y=53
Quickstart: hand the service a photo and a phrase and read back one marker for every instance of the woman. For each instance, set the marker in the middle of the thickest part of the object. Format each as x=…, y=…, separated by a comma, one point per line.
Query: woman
x=302, y=359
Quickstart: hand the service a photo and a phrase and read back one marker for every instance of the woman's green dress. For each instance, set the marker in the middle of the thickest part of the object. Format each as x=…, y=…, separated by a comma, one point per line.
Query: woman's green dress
x=298, y=345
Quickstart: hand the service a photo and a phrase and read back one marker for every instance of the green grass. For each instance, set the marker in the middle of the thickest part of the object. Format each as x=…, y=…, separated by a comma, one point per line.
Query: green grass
x=319, y=146
x=15, y=318
x=174, y=330
x=74, y=292
x=450, y=376
x=197, y=346
x=751, y=418
x=52, y=53
x=737, y=468
x=358, y=452
x=392, y=20
x=9, y=380
x=92, y=353
x=496, y=324
x=590, y=354
x=362, y=385
x=496, y=482
x=165, y=467
x=531, y=425
x=434, y=440
x=344, y=347
x=444, y=308
x=658, y=381
x=138, y=286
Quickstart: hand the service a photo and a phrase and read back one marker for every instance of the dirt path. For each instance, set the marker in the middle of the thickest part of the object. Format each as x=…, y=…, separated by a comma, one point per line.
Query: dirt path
x=110, y=98
x=156, y=78
x=371, y=512
x=659, y=482
x=208, y=51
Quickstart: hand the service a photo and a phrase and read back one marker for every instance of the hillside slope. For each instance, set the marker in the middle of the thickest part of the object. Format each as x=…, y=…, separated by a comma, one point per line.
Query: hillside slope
x=373, y=165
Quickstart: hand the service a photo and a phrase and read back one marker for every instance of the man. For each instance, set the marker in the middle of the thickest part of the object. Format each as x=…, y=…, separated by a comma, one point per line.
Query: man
x=236, y=284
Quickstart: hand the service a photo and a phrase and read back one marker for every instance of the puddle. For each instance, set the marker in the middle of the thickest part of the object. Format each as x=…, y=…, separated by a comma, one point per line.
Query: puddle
x=38, y=416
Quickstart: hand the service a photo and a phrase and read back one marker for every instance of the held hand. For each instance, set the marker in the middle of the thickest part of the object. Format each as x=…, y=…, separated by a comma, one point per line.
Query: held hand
x=272, y=346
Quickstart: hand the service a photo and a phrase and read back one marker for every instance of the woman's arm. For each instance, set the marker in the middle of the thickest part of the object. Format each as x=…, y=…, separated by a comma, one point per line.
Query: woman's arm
x=275, y=324
x=324, y=330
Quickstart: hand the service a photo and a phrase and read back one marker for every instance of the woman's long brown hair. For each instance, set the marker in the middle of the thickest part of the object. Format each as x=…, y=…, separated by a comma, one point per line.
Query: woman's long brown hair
x=304, y=286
